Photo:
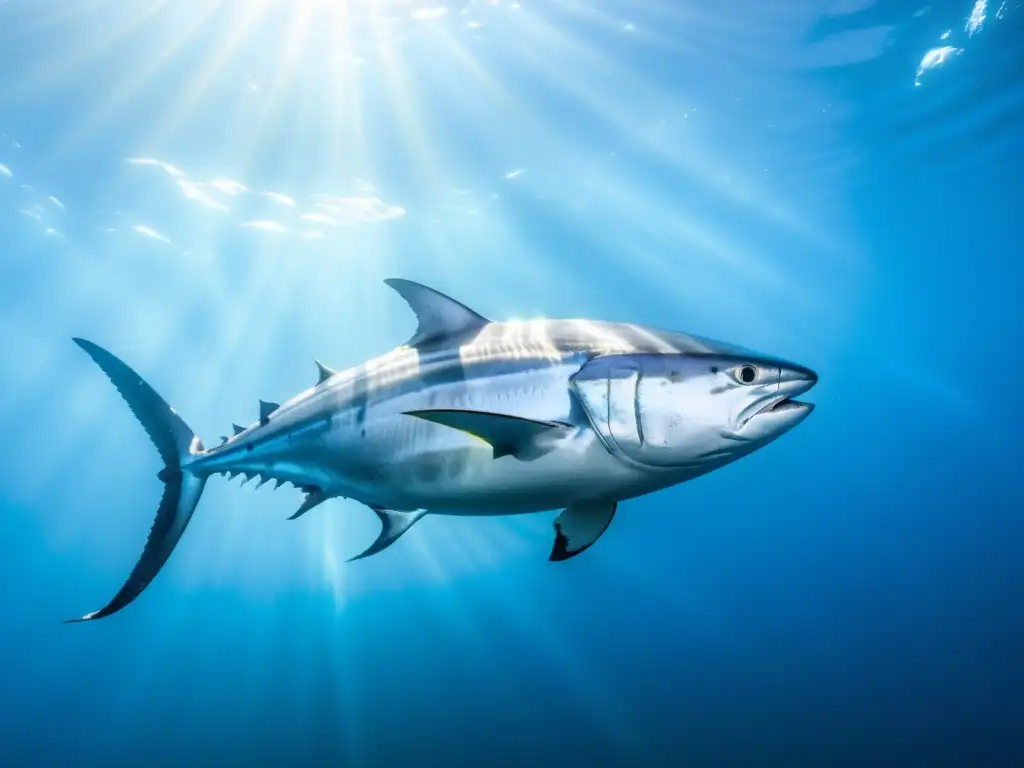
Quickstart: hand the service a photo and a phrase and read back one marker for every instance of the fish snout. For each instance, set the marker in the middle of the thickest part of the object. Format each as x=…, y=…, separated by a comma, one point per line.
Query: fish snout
x=795, y=380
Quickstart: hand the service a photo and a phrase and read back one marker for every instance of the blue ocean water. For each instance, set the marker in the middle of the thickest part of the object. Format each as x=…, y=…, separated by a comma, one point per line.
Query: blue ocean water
x=215, y=189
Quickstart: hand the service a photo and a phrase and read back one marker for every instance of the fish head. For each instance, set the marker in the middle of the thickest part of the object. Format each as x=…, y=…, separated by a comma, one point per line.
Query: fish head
x=691, y=411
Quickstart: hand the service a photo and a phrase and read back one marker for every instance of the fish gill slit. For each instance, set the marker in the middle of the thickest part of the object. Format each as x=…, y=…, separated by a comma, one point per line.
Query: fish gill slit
x=636, y=408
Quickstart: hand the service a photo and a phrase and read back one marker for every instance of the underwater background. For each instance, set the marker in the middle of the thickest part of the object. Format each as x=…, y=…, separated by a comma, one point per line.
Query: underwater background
x=214, y=191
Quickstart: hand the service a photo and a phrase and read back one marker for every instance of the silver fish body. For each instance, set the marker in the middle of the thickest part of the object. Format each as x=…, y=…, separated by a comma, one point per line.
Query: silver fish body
x=473, y=417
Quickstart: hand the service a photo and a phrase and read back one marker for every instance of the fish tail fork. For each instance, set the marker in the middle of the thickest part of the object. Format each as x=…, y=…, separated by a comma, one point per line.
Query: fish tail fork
x=176, y=444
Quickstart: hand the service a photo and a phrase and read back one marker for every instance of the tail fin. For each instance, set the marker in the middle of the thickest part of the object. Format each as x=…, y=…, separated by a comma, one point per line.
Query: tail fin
x=175, y=443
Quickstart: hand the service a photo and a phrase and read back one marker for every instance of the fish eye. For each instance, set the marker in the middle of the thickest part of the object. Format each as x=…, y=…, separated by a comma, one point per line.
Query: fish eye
x=746, y=374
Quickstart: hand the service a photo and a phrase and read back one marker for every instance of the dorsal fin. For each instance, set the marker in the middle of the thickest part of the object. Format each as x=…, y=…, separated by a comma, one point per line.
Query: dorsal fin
x=324, y=372
x=440, y=317
x=266, y=409
x=238, y=430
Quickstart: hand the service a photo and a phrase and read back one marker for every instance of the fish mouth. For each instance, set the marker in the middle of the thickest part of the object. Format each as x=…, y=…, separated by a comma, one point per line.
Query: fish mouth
x=780, y=406
x=783, y=404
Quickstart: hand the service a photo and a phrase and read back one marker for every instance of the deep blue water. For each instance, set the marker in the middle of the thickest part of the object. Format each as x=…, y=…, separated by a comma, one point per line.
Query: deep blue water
x=818, y=180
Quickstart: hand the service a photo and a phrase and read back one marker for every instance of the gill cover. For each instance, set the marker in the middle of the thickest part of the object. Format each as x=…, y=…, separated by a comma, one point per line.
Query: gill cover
x=607, y=388
x=638, y=405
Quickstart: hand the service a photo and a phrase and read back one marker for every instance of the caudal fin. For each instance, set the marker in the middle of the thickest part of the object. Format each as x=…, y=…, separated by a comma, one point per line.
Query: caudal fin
x=176, y=443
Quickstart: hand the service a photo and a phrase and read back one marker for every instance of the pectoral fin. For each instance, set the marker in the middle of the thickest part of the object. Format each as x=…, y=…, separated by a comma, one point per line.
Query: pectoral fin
x=508, y=435
x=392, y=525
x=580, y=526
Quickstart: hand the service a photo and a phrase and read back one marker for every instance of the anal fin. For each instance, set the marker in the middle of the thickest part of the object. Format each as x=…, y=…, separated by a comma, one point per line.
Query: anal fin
x=579, y=526
x=314, y=498
x=393, y=525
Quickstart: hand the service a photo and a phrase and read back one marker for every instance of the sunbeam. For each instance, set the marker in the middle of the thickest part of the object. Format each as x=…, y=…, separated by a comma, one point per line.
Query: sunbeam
x=107, y=108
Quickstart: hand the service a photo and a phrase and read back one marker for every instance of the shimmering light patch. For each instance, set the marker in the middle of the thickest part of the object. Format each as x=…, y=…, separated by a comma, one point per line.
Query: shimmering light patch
x=426, y=14
x=945, y=35
x=277, y=197
x=266, y=226
x=934, y=58
x=228, y=187
x=398, y=365
x=149, y=232
x=167, y=168
x=335, y=210
x=659, y=344
x=193, y=190
x=514, y=174
x=354, y=210
x=320, y=218
x=1002, y=10
x=977, y=17
x=513, y=340
x=5, y=171
x=606, y=338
